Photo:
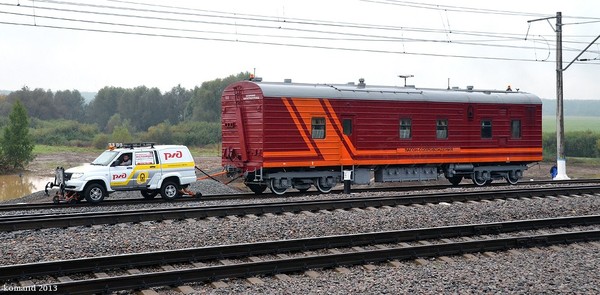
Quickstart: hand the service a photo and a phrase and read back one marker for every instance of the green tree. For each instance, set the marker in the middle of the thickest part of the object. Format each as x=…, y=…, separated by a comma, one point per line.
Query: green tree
x=104, y=105
x=69, y=104
x=17, y=144
x=161, y=133
x=121, y=134
x=38, y=102
x=175, y=103
x=205, y=104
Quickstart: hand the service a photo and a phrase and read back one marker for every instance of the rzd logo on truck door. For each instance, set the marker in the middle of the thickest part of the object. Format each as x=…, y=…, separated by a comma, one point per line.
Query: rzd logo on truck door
x=177, y=154
x=119, y=176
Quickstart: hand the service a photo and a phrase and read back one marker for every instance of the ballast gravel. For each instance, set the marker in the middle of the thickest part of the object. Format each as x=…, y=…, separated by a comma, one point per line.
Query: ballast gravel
x=567, y=270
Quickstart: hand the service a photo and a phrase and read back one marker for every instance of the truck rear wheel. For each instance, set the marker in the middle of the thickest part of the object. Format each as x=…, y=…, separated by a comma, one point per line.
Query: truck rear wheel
x=169, y=190
x=94, y=193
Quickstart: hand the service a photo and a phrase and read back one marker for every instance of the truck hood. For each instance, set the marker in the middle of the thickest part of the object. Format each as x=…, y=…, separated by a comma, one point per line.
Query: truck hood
x=87, y=169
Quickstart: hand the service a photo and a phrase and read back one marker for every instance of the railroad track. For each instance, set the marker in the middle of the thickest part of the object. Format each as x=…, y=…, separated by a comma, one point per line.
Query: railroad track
x=121, y=202
x=204, y=268
x=40, y=221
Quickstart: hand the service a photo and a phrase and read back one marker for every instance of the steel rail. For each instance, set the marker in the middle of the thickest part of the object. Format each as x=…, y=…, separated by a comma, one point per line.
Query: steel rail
x=40, y=221
x=131, y=201
x=63, y=267
x=211, y=273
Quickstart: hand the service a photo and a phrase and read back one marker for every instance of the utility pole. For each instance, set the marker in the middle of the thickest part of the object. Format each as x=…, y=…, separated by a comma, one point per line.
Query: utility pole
x=561, y=163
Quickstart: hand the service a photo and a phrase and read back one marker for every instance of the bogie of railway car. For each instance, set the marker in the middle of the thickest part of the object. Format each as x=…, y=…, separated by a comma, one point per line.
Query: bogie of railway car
x=286, y=136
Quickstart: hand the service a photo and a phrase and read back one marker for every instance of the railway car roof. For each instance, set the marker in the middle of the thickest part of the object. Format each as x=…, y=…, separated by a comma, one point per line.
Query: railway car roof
x=395, y=93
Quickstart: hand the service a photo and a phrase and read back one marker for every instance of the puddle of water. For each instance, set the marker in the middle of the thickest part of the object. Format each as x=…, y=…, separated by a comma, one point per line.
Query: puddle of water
x=15, y=186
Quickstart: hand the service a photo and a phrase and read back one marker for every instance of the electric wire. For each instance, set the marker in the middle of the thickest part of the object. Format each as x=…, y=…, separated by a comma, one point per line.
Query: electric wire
x=261, y=18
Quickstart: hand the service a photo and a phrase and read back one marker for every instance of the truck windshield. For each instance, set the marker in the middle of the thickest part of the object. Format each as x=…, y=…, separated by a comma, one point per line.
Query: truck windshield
x=105, y=158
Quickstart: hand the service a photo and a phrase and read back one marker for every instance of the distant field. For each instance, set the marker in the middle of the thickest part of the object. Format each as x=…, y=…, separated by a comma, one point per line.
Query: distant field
x=572, y=124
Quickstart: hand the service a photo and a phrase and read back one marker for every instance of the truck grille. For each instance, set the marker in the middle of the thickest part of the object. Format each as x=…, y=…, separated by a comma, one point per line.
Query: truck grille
x=68, y=176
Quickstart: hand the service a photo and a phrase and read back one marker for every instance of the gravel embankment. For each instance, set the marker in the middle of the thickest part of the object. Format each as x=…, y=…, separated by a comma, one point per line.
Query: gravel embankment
x=566, y=271
x=570, y=270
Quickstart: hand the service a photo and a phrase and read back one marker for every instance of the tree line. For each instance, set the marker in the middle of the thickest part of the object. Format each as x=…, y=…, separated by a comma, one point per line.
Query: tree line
x=180, y=115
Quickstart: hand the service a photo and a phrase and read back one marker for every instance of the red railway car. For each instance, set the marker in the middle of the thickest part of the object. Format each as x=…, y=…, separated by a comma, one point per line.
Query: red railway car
x=292, y=135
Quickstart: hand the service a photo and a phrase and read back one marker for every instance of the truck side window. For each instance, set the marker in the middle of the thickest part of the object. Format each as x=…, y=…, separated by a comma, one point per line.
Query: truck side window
x=125, y=159
x=144, y=158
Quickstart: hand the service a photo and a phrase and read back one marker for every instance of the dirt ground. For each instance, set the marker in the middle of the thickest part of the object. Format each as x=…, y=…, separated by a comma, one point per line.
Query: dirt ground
x=44, y=165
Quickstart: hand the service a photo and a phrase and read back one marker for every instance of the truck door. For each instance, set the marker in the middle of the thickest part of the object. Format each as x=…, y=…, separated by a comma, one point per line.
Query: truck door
x=145, y=169
x=121, y=171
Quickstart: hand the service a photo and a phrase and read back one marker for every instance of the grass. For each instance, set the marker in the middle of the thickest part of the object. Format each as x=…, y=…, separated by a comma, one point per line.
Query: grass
x=41, y=149
x=211, y=150
x=572, y=123
x=584, y=161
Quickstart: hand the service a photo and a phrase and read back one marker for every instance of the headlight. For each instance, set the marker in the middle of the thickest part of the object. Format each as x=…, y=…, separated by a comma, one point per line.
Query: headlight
x=77, y=175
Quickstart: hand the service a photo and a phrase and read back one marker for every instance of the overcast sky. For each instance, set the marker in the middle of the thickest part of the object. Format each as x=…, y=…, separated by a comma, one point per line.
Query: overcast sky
x=479, y=43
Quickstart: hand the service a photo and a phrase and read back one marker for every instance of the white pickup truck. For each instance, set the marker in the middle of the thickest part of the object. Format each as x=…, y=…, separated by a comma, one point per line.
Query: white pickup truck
x=145, y=167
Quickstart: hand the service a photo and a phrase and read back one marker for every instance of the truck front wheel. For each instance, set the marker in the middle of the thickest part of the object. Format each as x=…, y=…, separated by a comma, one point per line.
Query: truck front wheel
x=94, y=193
x=169, y=190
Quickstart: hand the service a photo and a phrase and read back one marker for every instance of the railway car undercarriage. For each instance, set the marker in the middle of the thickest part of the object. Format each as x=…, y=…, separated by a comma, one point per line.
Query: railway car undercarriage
x=324, y=179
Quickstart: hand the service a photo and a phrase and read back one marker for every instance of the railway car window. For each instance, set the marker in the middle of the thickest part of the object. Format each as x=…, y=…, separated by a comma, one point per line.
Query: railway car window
x=347, y=126
x=405, y=128
x=486, y=129
x=442, y=129
x=515, y=128
x=318, y=128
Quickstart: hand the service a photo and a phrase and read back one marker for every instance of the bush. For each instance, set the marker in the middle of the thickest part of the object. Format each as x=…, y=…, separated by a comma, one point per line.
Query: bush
x=121, y=134
x=101, y=141
x=63, y=132
x=577, y=144
x=186, y=133
x=161, y=134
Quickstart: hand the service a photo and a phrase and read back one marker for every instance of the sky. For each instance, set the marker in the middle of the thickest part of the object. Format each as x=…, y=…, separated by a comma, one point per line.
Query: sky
x=88, y=45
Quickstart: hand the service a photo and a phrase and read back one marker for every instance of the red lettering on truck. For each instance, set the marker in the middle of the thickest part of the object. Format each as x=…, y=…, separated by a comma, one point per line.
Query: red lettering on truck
x=119, y=176
x=177, y=154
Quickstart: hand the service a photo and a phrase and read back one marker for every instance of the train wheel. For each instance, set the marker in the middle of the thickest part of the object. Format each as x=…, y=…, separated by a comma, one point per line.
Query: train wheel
x=455, y=180
x=276, y=190
x=478, y=179
x=323, y=188
x=512, y=178
x=257, y=188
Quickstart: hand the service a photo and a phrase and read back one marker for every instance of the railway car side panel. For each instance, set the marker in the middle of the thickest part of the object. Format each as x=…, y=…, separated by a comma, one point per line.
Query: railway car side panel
x=300, y=133
x=284, y=135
